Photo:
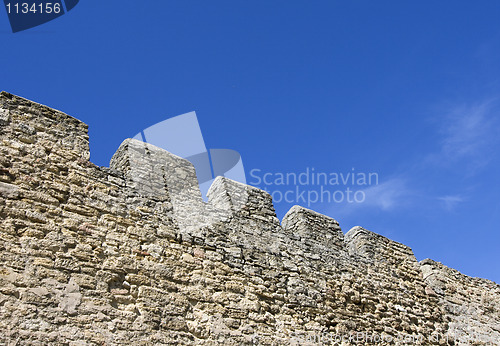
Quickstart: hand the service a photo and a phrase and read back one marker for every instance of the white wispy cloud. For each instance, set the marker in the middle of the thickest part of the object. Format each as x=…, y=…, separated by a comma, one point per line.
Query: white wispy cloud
x=450, y=202
x=468, y=135
x=387, y=196
x=468, y=138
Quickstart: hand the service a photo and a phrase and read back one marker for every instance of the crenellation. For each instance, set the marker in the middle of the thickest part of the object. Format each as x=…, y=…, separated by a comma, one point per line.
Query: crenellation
x=376, y=247
x=472, y=305
x=34, y=122
x=132, y=254
x=314, y=228
x=243, y=200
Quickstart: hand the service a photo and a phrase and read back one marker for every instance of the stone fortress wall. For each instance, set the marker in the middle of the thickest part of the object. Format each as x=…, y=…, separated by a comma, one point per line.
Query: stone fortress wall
x=132, y=254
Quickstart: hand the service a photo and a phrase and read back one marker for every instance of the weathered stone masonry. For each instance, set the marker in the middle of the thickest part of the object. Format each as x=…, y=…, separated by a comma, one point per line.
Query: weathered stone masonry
x=131, y=254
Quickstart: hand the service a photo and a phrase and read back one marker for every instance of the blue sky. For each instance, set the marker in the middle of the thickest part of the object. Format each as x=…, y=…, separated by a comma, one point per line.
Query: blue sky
x=408, y=90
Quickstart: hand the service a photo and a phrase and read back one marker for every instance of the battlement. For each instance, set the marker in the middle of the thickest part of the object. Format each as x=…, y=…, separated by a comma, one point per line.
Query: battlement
x=133, y=253
x=33, y=123
x=313, y=229
x=376, y=247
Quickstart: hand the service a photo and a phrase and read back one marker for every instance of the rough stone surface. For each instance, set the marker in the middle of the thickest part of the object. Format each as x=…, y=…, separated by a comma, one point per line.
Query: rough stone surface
x=131, y=254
